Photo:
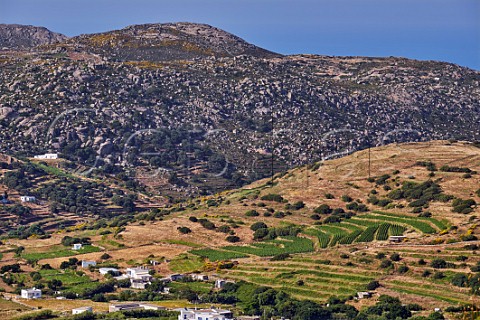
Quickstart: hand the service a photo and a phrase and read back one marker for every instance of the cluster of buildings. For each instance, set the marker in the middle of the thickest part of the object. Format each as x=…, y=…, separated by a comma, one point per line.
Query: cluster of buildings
x=140, y=277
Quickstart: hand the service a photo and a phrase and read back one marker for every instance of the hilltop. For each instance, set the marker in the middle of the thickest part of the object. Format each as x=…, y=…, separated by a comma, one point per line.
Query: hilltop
x=166, y=42
x=15, y=37
x=219, y=107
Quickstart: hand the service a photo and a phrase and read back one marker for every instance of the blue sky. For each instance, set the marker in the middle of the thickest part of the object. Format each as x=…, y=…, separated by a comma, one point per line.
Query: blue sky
x=446, y=30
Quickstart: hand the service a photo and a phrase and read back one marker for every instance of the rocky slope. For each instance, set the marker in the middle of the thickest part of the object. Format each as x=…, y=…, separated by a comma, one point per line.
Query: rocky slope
x=192, y=108
x=170, y=41
x=15, y=36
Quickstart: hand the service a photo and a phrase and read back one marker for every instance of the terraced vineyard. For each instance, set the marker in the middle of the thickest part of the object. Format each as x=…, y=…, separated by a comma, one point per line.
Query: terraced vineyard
x=260, y=249
x=216, y=255
x=377, y=225
x=307, y=278
x=319, y=280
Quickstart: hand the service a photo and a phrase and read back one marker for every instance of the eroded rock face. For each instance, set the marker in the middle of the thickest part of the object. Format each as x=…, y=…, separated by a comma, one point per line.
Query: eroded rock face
x=14, y=36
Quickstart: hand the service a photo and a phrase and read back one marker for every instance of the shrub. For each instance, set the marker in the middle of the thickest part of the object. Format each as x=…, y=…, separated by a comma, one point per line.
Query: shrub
x=395, y=257
x=372, y=285
x=260, y=233
x=224, y=229
x=279, y=214
x=446, y=168
x=438, y=263
x=184, y=230
x=426, y=273
x=354, y=206
x=233, y=239
x=193, y=219
x=380, y=255
x=463, y=206
x=323, y=209
x=438, y=275
x=403, y=268
x=331, y=196
x=252, y=213
x=296, y=206
x=468, y=237
x=382, y=179
x=346, y=198
x=426, y=214
x=332, y=219
x=460, y=280
x=385, y=264
x=207, y=224
x=475, y=268
x=258, y=225
x=105, y=256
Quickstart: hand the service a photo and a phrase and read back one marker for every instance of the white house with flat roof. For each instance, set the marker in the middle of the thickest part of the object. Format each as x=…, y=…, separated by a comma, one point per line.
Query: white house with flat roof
x=220, y=283
x=33, y=293
x=86, y=263
x=28, y=199
x=47, y=156
x=139, y=273
x=77, y=246
x=199, y=277
x=82, y=310
x=204, y=314
x=133, y=306
x=104, y=271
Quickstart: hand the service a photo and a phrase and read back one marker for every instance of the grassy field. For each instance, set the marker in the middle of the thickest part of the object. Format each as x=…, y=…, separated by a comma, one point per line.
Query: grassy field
x=57, y=253
x=185, y=263
x=71, y=281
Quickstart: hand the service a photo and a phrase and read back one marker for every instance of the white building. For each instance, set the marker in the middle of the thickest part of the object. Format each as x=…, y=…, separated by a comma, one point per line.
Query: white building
x=397, y=238
x=47, y=156
x=139, y=273
x=220, y=283
x=31, y=293
x=86, y=263
x=138, y=283
x=82, y=310
x=200, y=277
x=28, y=199
x=133, y=306
x=204, y=314
x=104, y=271
x=364, y=295
x=77, y=246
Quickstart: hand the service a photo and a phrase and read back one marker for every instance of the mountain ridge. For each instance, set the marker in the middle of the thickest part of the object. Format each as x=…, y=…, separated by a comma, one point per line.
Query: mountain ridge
x=223, y=118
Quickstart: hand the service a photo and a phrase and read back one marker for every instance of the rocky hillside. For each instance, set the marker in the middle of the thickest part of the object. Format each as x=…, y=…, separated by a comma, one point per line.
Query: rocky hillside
x=187, y=108
x=15, y=36
x=170, y=41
